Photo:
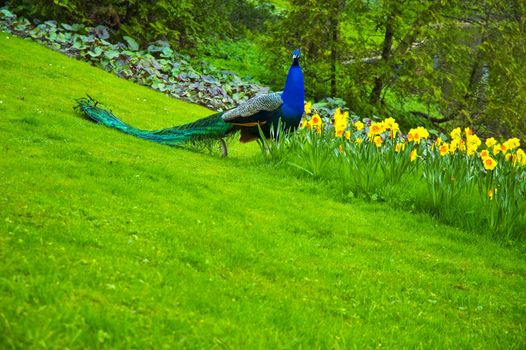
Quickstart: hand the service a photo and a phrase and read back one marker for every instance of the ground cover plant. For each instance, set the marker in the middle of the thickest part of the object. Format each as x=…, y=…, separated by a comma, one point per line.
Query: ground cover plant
x=111, y=241
x=158, y=66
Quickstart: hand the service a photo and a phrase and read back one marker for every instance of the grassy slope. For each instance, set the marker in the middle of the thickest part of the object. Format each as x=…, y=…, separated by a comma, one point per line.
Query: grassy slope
x=109, y=239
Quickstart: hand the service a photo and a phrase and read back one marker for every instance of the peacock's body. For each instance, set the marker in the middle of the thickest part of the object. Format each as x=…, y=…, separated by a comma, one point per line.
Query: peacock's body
x=261, y=112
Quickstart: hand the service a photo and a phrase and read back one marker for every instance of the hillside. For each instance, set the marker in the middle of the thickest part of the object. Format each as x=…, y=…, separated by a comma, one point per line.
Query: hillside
x=108, y=240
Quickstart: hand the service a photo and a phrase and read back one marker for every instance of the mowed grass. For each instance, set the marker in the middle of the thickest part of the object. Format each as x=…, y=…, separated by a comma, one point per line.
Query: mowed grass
x=111, y=241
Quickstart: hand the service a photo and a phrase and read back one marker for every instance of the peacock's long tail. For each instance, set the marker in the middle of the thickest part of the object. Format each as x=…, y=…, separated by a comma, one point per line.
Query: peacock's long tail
x=212, y=127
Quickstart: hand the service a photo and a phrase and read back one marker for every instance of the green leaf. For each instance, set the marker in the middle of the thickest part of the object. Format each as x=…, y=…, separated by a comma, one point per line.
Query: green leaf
x=6, y=13
x=96, y=52
x=111, y=54
x=132, y=44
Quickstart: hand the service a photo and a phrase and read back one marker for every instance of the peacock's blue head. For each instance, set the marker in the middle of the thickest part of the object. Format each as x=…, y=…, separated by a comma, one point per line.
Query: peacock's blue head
x=296, y=57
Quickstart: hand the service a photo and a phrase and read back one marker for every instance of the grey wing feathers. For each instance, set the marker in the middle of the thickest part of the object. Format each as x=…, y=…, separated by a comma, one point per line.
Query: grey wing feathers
x=259, y=103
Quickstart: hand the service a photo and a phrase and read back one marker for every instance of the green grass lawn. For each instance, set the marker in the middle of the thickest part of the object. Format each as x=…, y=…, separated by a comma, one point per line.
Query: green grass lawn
x=111, y=241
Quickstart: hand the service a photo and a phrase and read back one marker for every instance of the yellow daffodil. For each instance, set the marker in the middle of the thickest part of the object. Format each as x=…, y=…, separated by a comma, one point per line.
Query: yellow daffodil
x=340, y=119
x=376, y=128
x=308, y=107
x=417, y=134
x=393, y=130
x=454, y=145
x=413, y=155
x=378, y=141
x=491, y=193
x=473, y=140
x=338, y=132
x=423, y=132
x=303, y=124
x=455, y=133
x=521, y=157
x=412, y=136
x=359, y=140
x=316, y=120
x=399, y=147
x=359, y=125
x=513, y=143
x=316, y=123
x=489, y=163
x=496, y=149
x=512, y=158
x=504, y=148
x=490, y=142
x=444, y=149
x=347, y=134
x=484, y=154
x=462, y=146
x=468, y=132
x=389, y=123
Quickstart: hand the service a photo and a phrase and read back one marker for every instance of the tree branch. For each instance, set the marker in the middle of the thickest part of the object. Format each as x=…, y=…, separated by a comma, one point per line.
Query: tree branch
x=432, y=119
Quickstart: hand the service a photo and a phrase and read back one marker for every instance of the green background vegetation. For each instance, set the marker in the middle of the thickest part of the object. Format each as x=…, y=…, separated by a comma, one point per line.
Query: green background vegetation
x=450, y=62
x=107, y=240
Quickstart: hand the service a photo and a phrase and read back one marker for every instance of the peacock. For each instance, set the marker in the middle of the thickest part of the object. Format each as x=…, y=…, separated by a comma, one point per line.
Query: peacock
x=254, y=118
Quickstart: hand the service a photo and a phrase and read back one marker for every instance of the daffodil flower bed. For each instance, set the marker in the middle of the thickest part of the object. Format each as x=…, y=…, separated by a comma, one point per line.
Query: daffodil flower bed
x=483, y=180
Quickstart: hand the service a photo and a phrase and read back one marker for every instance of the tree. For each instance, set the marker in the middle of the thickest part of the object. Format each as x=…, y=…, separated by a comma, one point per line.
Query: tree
x=315, y=27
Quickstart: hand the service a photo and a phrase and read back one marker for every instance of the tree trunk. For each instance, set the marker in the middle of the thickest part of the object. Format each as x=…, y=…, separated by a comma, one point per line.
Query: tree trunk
x=334, y=55
x=386, y=55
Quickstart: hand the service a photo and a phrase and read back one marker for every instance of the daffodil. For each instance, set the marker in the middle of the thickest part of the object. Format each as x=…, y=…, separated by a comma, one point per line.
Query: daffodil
x=359, y=125
x=489, y=163
x=308, y=107
x=444, y=149
x=359, y=140
x=413, y=136
x=454, y=145
x=376, y=128
x=347, y=134
x=393, y=130
x=378, y=141
x=389, y=123
x=491, y=193
x=423, y=132
x=512, y=143
x=455, y=133
x=473, y=141
x=511, y=157
x=316, y=123
x=521, y=157
x=413, y=155
x=340, y=119
x=462, y=146
x=399, y=147
x=490, y=142
x=484, y=154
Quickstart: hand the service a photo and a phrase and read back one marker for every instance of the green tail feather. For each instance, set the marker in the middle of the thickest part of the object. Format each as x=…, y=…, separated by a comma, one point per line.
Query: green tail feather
x=212, y=127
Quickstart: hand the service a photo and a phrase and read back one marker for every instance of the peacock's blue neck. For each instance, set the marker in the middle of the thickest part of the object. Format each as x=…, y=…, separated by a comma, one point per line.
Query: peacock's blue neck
x=294, y=93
